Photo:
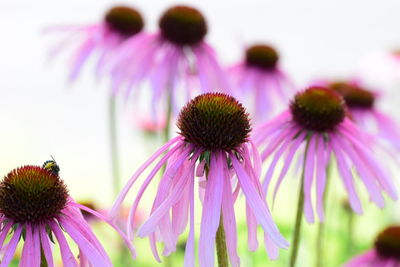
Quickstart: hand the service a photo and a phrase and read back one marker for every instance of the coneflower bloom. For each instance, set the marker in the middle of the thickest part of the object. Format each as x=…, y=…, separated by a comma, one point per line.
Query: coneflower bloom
x=214, y=144
x=35, y=207
x=361, y=103
x=386, y=251
x=316, y=128
x=261, y=77
x=176, y=60
x=100, y=40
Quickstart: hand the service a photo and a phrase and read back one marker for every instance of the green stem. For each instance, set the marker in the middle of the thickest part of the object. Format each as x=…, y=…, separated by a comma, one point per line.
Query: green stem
x=222, y=253
x=43, y=261
x=168, y=119
x=350, y=231
x=116, y=181
x=299, y=214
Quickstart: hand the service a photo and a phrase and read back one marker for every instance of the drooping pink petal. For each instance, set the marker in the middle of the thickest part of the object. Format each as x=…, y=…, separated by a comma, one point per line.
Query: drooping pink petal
x=259, y=207
x=150, y=225
x=287, y=162
x=366, y=177
x=322, y=164
x=27, y=251
x=132, y=180
x=45, y=243
x=131, y=226
x=94, y=256
x=4, y=232
x=286, y=141
x=251, y=221
x=189, y=260
x=36, y=247
x=272, y=249
x=80, y=58
x=347, y=177
x=12, y=245
x=308, y=179
x=282, y=137
x=66, y=254
x=211, y=211
x=109, y=222
x=228, y=215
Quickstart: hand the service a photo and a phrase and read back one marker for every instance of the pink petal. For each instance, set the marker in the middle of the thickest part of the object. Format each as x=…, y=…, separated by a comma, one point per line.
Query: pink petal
x=46, y=246
x=211, y=210
x=308, y=179
x=251, y=221
x=272, y=249
x=322, y=163
x=258, y=206
x=66, y=253
x=150, y=225
x=94, y=256
x=132, y=180
x=189, y=260
x=229, y=220
x=347, y=177
x=12, y=245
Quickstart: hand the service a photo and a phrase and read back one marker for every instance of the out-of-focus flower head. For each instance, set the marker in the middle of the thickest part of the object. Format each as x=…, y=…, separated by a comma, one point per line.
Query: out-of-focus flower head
x=99, y=40
x=316, y=128
x=260, y=77
x=176, y=60
x=386, y=251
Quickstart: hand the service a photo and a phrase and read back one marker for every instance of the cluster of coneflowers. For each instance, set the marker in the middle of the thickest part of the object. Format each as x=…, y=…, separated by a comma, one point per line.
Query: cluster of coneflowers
x=217, y=150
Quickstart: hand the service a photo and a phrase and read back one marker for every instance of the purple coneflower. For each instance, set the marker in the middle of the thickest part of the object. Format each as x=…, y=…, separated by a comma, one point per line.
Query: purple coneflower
x=385, y=253
x=260, y=76
x=316, y=129
x=176, y=60
x=35, y=207
x=361, y=103
x=101, y=39
x=214, y=144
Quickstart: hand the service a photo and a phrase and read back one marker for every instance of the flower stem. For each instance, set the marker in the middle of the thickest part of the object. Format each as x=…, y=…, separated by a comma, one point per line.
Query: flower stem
x=43, y=261
x=168, y=118
x=299, y=213
x=221, y=245
x=350, y=231
x=116, y=181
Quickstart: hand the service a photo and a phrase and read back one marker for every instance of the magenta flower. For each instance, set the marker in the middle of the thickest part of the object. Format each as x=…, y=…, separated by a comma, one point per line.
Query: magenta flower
x=385, y=253
x=363, y=110
x=316, y=128
x=213, y=144
x=176, y=59
x=261, y=77
x=35, y=207
x=100, y=40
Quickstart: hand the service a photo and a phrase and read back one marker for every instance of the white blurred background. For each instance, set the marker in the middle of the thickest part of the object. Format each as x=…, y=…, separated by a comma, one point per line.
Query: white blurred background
x=41, y=115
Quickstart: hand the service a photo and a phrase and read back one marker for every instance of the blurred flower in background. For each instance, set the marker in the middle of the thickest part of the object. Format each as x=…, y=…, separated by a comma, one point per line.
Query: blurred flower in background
x=260, y=78
x=99, y=40
x=386, y=252
x=177, y=60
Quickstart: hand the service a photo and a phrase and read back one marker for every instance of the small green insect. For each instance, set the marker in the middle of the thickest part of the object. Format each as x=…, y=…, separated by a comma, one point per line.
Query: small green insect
x=52, y=166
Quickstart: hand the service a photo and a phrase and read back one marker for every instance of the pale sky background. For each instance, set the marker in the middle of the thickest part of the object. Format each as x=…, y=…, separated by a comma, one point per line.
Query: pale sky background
x=40, y=115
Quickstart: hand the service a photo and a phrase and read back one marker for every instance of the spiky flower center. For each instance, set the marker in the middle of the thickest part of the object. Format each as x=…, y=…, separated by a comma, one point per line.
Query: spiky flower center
x=354, y=96
x=263, y=57
x=318, y=109
x=124, y=20
x=32, y=194
x=387, y=243
x=183, y=25
x=214, y=121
